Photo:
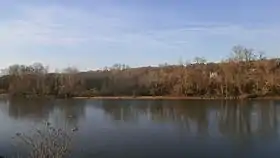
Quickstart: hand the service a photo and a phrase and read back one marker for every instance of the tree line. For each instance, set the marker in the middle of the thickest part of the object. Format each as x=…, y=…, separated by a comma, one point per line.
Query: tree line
x=245, y=73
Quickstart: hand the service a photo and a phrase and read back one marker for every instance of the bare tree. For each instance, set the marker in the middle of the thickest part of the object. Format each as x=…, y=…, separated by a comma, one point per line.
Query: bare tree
x=70, y=70
x=241, y=53
x=200, y=60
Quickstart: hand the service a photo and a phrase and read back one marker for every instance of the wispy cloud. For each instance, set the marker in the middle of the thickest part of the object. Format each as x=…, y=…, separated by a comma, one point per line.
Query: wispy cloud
x=85, y=30
x=39, y=27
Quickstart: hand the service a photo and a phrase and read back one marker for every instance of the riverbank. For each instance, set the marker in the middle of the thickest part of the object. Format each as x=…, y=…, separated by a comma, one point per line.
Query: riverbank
x=242, y=97
x=179, y=98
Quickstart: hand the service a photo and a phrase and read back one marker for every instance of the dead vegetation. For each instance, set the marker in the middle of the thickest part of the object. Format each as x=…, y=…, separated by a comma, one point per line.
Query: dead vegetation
x=244, y=74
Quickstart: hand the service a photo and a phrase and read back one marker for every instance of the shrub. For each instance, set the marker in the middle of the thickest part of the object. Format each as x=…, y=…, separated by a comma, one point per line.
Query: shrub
x=48, y=142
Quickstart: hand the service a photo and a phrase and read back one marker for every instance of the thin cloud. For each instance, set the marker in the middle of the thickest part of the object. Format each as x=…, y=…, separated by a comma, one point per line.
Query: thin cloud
x=67, y=26
x=91, y=31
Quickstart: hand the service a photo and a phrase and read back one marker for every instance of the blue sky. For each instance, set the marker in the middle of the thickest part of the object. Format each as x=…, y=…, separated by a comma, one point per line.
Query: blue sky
x=90, y=34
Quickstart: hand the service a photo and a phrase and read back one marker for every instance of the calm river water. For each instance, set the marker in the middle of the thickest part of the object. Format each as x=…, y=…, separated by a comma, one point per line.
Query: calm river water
x=150, y=128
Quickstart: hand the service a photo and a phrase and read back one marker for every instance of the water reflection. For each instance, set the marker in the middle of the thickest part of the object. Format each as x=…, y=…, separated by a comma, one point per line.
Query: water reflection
x=33, y=110
x=235, y=118
x=68, y=111
x=120, y=110
x=231, y=118
x=40, y=110
x=116, y=127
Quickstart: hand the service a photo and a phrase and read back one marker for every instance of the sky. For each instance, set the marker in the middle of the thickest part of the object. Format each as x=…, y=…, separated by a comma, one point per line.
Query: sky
x=92, y=34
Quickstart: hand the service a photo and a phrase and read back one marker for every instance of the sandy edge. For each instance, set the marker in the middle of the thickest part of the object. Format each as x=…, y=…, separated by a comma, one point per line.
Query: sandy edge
x=176, y=98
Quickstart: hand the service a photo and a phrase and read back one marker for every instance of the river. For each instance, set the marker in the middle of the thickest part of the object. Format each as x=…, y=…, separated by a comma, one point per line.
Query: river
x=150, y=128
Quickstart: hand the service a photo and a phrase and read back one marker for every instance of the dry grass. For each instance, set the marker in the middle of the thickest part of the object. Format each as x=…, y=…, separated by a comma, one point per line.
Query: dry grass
x=48, y=142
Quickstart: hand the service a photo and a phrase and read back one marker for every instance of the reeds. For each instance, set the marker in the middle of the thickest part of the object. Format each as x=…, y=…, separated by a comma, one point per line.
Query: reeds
x=48, y=142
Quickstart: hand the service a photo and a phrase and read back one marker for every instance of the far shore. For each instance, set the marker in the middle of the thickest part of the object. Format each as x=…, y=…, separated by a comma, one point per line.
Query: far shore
x=178, y=98
x=244, y=97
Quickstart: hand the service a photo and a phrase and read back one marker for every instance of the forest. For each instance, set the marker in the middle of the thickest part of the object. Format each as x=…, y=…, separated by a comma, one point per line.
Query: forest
x=244, y=74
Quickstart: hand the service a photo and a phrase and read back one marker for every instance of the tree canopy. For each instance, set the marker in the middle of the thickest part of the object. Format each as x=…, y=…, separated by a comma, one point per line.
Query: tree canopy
x=244, y=73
